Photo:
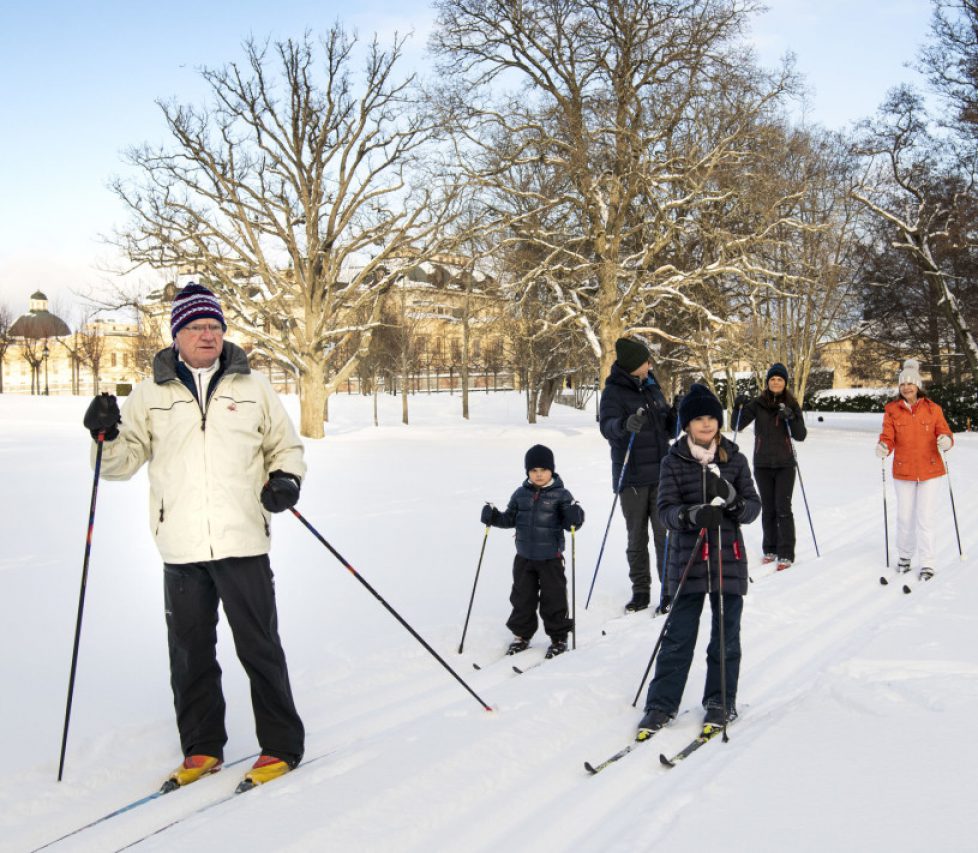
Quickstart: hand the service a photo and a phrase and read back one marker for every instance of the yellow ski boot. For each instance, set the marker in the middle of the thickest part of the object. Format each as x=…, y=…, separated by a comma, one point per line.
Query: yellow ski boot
x=266, y=768
x=193, y=767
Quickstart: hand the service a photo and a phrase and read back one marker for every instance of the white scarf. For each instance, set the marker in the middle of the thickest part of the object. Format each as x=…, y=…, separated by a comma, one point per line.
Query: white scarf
x=703, y=455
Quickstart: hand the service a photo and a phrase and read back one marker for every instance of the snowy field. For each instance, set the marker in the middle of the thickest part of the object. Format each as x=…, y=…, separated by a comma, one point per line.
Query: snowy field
x=857, y=701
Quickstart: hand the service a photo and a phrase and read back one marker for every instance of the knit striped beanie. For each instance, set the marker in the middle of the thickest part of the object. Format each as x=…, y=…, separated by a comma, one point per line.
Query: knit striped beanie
x=194, y=302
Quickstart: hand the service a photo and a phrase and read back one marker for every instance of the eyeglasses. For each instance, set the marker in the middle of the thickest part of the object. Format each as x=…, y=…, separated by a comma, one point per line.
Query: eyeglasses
x=200, y=328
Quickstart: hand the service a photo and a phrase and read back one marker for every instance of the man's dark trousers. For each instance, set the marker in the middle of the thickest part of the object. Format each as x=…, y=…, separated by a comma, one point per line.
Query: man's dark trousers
x=246, y=588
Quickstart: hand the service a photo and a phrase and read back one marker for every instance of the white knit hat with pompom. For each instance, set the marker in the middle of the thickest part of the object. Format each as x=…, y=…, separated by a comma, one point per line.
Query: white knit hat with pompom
x=911, y=373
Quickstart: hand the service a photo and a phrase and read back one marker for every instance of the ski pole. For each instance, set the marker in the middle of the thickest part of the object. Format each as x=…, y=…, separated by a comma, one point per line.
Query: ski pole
x=472, y=597
x=99, y=444
x=886, y=524
x=801, y=483
x=573, y=589
x=665, y=547
x=737, y=424
x=621, y=479
x=723, y=641
x=390, y=609
x=954, y=513
x=665, y=625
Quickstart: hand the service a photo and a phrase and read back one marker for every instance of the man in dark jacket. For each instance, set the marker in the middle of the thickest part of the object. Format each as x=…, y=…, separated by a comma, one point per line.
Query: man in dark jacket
x=540, y=510
x=635, y=413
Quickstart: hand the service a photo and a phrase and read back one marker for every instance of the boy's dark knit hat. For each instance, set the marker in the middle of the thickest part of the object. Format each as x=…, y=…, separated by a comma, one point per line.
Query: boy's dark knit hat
x=699, y=401
x=630, y=353
x=777, y=369
x=539, y=456
x=194, y=302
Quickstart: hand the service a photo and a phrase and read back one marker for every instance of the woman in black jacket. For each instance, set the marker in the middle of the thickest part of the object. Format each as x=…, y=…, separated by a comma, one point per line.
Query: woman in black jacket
x=634, y=409
x=705, y=483
x=777, y=419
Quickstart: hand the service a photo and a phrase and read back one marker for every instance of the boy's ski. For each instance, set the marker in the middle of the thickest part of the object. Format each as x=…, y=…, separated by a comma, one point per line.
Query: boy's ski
x=707, y=734
x=165, y=789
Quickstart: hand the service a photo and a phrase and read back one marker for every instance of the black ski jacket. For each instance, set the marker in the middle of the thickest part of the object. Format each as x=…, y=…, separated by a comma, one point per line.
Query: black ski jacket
x=624, y=395
x=772, y=449
x=540, y=516
x=682, y=485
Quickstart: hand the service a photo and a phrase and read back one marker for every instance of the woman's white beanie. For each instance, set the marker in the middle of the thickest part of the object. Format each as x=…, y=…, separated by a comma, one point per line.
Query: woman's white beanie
x=911, y=373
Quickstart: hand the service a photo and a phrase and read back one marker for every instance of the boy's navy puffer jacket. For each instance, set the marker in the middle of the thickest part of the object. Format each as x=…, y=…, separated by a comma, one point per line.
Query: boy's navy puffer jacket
x=624, y=395
x=772, y=447
x=540, y=516
x=682, y=484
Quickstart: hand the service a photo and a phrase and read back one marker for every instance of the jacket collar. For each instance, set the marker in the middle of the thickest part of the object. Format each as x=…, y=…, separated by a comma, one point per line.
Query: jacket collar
x=620, y=376
x=233, y=360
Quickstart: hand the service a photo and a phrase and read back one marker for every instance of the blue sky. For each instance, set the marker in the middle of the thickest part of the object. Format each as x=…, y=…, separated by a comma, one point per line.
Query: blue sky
x=80, y=80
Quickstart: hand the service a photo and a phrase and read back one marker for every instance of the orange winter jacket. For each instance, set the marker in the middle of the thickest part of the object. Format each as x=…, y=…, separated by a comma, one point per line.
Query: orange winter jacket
x=911, y=434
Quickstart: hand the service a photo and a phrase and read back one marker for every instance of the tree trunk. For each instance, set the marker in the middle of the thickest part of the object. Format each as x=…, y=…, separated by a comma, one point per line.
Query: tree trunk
x=312, y=400
x=548, y=393
x=405, y=379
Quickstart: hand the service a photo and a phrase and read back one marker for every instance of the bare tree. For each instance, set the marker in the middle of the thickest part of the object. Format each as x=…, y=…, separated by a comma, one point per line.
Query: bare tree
x=908, y=189
x=298, y=195
x=90, y=344
x=609, y=159
x=6, y=318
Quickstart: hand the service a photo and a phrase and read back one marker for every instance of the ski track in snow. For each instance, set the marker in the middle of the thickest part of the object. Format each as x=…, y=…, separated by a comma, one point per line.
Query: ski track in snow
x=854, y=696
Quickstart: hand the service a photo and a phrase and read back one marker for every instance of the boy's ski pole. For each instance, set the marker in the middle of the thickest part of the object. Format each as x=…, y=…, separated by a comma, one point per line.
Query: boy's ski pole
x=390, y=609
x=474, y=583
x=573, y=589
x=614, y=503
x=100, y=444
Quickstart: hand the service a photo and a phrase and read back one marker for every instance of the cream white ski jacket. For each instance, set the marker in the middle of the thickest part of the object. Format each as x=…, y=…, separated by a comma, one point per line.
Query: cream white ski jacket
x=207, y=461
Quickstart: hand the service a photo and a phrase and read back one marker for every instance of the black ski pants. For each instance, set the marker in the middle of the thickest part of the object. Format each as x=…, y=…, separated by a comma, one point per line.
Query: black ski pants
x=539, y=583
x=245, y=586
x=638, y=507
x=776, y=486
x=679, y=643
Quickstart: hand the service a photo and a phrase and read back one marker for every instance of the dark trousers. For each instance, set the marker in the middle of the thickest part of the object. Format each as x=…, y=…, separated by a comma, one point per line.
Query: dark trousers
x=539, y=583
x=638, y=507
x=679, y=643
x=776, y=486
x=246, y=588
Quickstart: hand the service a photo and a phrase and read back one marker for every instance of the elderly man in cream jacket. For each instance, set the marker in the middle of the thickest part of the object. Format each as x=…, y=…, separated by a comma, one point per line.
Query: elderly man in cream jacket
x=222, y=454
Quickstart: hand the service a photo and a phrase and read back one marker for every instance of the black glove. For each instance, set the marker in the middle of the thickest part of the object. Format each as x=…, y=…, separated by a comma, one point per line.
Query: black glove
x=574, y=515
x=740, y=401
x=103, y=415
x=786, y=413
x=734, y=510
x=717, y=487
x=281, y=492
x=488, y=515
x=636, y=422
x=704, y=515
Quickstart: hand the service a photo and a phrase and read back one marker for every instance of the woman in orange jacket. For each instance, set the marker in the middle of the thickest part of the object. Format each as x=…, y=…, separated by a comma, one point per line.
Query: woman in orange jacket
x=915, y=431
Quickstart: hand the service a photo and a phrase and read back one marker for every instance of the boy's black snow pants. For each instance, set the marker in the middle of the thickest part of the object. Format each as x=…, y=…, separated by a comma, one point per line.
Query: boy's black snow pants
x=679, y=643
x=775, y=486
x=539, y=583
x=246, y=588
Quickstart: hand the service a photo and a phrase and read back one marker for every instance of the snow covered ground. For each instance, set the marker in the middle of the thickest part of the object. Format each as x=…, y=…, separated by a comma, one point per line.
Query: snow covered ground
x=857, y=701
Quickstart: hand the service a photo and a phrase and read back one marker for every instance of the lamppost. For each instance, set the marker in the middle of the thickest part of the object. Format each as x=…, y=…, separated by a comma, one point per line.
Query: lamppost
x=44, y=357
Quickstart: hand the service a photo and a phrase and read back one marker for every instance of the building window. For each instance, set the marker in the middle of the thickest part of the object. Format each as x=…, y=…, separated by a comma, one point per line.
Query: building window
x=113, y=360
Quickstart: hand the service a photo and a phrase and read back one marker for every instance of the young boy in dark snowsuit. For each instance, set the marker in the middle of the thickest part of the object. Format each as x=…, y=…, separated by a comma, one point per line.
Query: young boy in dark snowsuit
x=540, y=510
x=705, y=483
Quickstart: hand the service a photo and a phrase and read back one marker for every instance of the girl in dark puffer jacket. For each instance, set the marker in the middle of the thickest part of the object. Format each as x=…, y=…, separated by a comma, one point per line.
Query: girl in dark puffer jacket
x=705, y=482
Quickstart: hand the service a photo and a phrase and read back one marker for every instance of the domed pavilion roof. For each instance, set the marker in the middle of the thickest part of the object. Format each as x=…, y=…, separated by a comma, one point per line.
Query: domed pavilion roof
x=38, y=322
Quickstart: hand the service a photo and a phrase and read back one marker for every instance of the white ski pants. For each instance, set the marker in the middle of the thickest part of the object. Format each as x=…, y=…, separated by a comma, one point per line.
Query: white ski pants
x=916, y=519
